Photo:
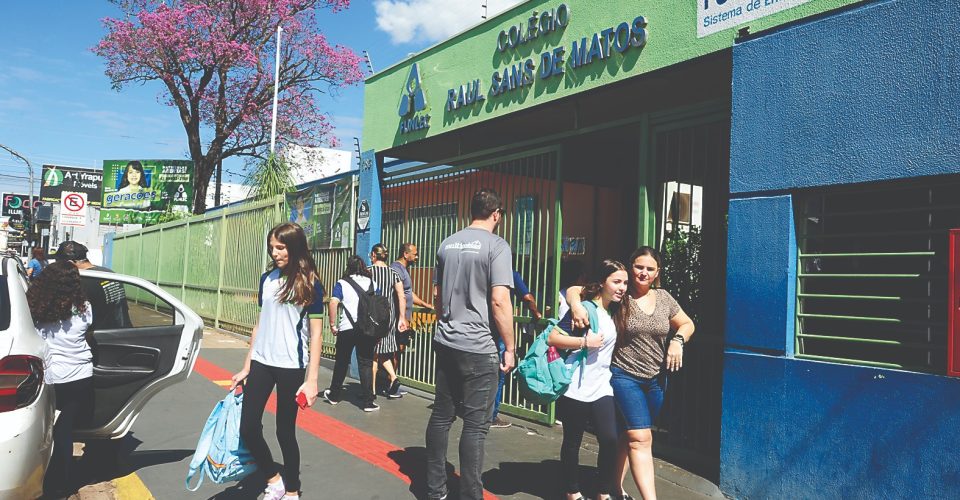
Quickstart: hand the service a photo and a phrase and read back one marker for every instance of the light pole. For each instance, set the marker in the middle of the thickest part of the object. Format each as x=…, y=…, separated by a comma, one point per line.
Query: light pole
x=30, y=174
x=276, y=89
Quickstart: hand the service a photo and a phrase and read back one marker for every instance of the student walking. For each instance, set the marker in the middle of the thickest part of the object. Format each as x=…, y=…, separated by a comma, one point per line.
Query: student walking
x=651, y=332
x=284, y=353
x=590, y=396
x=346, y=300
x=388, y=284
x=63, y=317
x=472, y=298
x=407, y=256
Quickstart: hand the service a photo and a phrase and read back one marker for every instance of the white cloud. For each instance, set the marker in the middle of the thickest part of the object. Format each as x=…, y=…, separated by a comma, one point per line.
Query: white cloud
x=432, y=20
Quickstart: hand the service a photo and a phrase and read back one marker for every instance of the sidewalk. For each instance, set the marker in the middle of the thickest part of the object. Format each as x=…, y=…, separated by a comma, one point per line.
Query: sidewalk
x=521, y=461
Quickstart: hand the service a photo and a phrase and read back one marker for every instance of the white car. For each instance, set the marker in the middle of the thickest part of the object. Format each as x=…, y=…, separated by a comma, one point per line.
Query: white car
x=154, y=348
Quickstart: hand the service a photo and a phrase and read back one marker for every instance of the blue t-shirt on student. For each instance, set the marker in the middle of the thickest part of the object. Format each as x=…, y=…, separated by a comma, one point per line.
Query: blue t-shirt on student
x=283, y=334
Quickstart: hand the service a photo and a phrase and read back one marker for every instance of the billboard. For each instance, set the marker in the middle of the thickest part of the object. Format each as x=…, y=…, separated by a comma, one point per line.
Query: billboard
x=140, y=191
x=14, y=207
x=324, y=213
x=57, y=179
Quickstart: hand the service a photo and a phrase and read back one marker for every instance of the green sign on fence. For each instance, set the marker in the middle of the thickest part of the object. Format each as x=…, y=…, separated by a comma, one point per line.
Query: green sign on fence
x=324, y=213
x=140, y=191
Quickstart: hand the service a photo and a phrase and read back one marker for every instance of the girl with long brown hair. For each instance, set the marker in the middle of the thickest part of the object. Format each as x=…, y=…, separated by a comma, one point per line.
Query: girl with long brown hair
x=63, y=317
x=284, y=352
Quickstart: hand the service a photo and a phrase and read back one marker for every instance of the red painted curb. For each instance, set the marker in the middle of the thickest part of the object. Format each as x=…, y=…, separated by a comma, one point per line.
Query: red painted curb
x=366, y=447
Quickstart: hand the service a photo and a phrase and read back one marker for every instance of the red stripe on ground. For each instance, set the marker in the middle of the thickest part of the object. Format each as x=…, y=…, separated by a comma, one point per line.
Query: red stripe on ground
x=366, y=447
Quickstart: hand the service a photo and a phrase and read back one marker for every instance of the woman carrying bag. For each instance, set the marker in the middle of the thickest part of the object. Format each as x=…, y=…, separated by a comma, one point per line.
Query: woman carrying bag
x=284, y=352
x=589, y=397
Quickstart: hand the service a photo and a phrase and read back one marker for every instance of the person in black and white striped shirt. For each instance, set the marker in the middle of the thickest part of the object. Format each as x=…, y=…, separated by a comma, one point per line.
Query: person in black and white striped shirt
x=388, y=284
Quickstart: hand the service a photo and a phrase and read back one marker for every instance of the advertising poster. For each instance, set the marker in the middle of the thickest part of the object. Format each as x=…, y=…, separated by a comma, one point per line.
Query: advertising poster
x=324, y=213
x=140, y=191
x=56, y=180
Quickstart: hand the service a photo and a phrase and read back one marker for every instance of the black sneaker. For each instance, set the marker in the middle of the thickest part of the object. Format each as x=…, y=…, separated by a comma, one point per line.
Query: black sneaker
x=328, y=398
x=371, y=406
x=394, y=392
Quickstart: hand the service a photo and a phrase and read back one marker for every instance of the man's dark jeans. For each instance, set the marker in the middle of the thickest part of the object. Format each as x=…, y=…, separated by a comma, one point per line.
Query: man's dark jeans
x=467, y=380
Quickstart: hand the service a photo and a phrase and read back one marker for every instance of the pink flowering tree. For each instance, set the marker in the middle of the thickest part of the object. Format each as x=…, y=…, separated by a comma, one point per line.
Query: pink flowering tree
x=215, y=60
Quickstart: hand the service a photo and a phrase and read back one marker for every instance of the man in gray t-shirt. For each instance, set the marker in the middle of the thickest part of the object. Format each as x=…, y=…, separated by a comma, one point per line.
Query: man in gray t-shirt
x=472, y=285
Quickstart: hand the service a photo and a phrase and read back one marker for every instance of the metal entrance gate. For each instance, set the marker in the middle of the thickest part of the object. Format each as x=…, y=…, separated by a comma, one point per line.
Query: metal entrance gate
x=426, y=205
x=691, y=164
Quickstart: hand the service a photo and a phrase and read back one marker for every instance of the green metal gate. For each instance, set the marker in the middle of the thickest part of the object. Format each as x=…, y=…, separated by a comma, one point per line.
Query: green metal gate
x=425, y=204
x=690, y=166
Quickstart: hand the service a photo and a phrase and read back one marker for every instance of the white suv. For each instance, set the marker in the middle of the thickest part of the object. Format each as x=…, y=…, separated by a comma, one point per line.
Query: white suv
x=154, y=348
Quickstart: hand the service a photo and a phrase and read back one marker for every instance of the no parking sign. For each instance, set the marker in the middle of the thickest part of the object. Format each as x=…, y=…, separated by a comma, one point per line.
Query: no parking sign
x=73, y=209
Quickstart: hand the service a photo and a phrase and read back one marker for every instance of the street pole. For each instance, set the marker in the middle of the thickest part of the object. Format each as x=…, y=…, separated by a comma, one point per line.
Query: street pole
x=30, y=174
x=276, y=89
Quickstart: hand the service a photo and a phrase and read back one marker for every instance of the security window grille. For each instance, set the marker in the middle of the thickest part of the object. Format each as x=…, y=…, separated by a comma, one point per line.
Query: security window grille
x=872, y=274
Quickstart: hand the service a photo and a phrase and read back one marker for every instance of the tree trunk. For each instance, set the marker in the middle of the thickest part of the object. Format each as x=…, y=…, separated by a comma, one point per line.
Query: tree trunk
x=203, y=171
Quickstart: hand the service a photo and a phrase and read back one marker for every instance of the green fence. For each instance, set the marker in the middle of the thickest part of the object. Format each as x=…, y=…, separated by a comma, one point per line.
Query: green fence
x=212, y=262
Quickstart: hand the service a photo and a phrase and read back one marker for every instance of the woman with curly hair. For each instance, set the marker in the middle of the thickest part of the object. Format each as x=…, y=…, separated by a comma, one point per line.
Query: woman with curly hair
x=63, y=318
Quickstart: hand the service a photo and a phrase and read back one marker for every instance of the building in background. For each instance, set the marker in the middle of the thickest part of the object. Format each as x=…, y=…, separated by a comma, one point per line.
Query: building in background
x=795, y=160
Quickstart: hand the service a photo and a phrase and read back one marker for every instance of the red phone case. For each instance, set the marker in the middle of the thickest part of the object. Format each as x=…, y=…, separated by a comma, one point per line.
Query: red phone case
x=302, y=400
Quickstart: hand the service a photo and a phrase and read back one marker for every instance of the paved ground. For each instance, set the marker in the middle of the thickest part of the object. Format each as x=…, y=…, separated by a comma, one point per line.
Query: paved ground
x=346, y=453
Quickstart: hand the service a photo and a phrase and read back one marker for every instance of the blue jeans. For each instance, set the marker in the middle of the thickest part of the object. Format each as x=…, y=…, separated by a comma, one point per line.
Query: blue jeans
x=638, y=399
x=501, y=348
x=467, y=380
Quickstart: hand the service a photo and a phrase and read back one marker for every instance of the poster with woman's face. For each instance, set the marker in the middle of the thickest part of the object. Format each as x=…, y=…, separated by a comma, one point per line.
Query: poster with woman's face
x=140, y=191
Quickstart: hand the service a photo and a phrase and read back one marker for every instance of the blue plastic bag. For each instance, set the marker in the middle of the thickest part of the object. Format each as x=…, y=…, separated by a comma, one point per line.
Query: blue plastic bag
x=220, y=454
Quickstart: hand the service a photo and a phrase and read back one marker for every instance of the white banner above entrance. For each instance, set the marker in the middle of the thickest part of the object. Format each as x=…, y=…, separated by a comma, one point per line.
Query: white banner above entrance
x=718, y=15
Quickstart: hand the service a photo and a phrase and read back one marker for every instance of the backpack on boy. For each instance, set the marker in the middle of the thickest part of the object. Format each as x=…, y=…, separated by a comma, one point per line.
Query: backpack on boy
x=544, y=373
x=373, y=311
x=220, y=454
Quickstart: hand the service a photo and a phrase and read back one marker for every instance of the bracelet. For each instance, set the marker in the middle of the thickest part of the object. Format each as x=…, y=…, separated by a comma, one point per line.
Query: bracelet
x=678, y=338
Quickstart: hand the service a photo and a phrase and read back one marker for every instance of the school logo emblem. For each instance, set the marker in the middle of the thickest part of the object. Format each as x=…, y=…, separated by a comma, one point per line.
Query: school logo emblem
x=412, y=99
x=413, y=103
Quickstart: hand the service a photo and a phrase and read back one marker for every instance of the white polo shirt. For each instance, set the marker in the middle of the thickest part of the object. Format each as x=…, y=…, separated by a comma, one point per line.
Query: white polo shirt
x=283, y=334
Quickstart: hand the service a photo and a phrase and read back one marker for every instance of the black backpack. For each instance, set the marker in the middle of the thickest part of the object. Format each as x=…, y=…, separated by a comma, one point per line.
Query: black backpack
x=373, y=312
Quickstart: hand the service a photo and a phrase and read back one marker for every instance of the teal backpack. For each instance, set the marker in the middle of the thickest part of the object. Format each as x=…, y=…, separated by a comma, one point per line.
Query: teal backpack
x=220, y=454
x=543, y=373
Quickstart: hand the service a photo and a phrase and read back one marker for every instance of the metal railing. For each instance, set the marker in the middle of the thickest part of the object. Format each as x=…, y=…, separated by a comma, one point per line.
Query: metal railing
x=212, y=262
x=426, y=206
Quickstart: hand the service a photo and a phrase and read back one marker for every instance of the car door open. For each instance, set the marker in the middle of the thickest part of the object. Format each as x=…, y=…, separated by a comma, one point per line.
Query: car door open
x=144, y=341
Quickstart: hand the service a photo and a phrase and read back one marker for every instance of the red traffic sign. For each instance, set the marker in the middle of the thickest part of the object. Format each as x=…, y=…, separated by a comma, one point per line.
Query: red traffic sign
x=74, y=202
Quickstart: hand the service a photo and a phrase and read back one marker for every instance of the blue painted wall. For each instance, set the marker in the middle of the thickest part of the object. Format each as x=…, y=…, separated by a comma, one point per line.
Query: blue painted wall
x=760, y=286
x=865, y=94
x=821, y=430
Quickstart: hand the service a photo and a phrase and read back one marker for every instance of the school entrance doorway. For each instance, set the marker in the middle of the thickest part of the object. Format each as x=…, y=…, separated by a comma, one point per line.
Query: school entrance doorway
x=587, y=178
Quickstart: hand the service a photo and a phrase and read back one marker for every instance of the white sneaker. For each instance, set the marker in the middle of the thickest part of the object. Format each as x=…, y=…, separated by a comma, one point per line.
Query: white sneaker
x=275, y=491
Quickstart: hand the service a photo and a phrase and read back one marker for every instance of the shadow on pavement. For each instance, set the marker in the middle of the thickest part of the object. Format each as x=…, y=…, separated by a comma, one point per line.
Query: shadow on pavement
x=541, y=480
x=248, y=488
x=105, y=460
x=412, y=462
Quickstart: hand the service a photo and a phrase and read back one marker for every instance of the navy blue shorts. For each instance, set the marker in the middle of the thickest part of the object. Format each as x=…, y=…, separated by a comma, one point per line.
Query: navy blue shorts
x=638, y=399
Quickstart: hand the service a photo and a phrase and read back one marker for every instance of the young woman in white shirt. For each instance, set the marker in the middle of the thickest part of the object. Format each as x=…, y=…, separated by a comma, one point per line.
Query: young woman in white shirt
x=590, y=396
x=63, y=317
x=284, y=352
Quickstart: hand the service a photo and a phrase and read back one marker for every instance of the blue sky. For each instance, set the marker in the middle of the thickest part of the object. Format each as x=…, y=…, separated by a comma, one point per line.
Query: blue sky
x=57, y=107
